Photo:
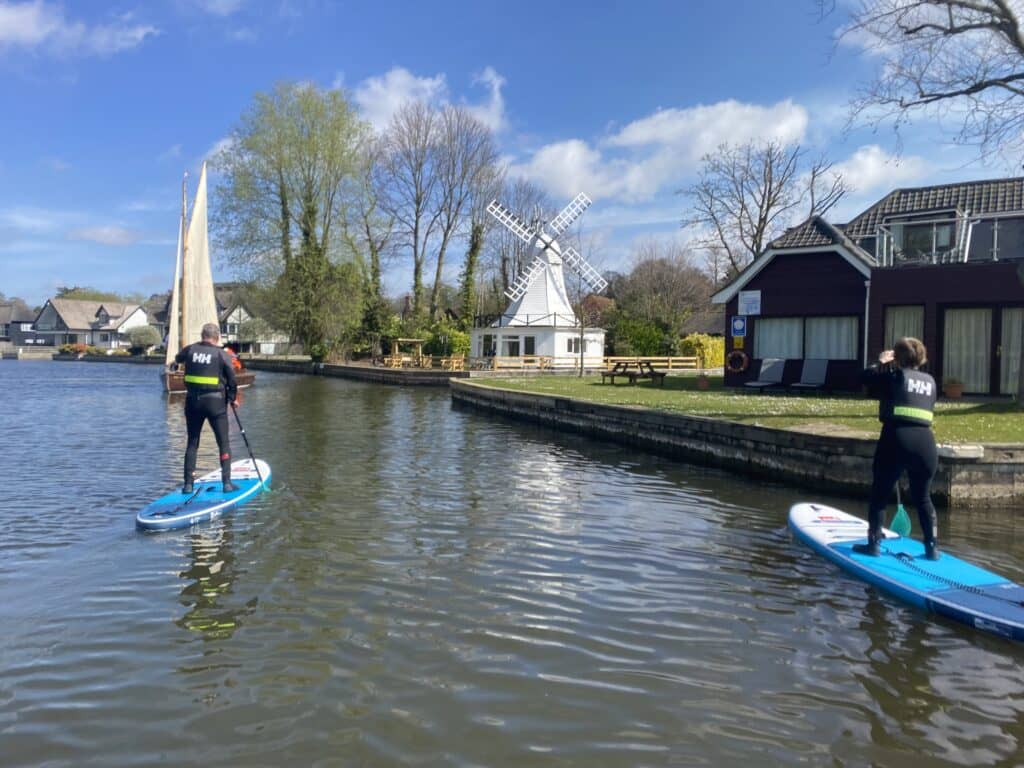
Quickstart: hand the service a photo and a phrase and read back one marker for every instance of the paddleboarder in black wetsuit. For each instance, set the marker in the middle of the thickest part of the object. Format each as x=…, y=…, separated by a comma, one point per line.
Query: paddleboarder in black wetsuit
x=906, y=405
x=210, y=381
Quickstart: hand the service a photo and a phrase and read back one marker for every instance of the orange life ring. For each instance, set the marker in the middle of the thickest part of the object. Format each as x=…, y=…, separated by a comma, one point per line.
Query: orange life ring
x=736, y=361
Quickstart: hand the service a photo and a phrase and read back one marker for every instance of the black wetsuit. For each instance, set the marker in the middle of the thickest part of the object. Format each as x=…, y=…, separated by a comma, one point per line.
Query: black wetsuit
x=210, y=381
x=906, y=402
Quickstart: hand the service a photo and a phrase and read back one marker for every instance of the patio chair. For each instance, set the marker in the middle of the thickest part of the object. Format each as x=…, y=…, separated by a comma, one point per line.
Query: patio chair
x=812, y=376
x=770, y=374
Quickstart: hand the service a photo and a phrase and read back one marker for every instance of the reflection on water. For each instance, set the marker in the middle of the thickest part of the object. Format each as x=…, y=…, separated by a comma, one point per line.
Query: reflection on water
x=429, y=585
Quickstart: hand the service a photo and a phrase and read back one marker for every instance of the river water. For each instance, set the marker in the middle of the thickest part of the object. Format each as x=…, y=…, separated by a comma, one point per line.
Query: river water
x=427, y=585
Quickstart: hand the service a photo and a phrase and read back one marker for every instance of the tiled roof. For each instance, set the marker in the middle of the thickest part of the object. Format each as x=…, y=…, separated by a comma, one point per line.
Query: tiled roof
x=974, y=197
x=815, y=232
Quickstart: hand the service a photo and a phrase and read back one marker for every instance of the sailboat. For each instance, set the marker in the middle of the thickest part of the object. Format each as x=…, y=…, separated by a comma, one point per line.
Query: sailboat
x=193, y=303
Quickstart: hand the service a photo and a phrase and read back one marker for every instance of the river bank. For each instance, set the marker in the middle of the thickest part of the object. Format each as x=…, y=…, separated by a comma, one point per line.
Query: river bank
x=969, y=475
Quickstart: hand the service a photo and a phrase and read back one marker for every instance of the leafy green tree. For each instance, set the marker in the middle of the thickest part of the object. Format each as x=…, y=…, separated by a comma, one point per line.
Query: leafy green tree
x=290, y=175
x=88, y=293
x=143, y=337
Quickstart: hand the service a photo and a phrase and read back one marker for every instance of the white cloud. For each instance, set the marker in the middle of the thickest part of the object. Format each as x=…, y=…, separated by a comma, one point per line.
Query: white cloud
x=40, y=25
x=31, y=220
x=56, y=164
x=380, y=97
x=105, y=235
x=172, y=152
x=873, y=170
x=219, y=7
x=219, y=146
x=651, y=154
x=699, y=130
x=492, y=112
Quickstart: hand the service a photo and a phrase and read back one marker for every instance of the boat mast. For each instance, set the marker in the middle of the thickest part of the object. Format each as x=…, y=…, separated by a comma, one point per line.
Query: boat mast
x=184, y=261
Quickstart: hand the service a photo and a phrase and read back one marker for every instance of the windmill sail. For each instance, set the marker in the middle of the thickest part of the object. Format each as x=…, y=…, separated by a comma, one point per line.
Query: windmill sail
x=173, y=324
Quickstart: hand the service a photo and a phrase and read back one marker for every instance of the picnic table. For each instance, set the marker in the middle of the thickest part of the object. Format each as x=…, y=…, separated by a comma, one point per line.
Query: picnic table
x=634, y=371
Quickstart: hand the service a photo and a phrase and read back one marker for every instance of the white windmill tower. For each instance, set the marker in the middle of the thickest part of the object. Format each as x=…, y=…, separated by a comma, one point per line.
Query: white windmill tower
x=540, y=320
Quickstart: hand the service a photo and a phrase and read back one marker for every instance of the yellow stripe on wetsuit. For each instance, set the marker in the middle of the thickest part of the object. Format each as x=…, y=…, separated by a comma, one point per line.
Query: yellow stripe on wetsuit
x=921, y=414
x=211, y=380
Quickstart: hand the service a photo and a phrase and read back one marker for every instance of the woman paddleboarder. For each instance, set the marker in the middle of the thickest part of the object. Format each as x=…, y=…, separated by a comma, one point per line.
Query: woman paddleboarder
x=906, y=407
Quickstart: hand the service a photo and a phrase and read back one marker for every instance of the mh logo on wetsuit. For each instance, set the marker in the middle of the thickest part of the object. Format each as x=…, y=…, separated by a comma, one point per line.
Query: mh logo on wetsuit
x=919, y=387
x=202, y=357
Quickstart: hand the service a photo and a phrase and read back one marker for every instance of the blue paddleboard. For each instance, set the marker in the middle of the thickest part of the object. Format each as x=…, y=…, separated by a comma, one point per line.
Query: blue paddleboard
x=207, y=501
x=948, y=586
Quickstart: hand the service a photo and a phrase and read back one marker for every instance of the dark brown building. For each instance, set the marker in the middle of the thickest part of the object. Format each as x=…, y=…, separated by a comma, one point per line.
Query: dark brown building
x=944, y=264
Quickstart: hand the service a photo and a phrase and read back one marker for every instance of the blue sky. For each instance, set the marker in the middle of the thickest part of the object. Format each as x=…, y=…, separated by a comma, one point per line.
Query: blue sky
x=106, y=104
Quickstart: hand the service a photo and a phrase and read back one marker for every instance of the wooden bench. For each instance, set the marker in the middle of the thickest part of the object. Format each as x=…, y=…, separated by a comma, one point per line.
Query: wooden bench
x=646, y=371
x=621, y=368
x=634, y=371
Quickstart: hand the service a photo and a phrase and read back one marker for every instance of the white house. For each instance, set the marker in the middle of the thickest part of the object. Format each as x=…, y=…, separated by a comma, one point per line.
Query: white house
x=103, y=324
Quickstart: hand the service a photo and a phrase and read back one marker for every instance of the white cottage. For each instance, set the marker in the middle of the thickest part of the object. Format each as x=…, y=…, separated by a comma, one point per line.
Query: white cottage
x=540, y=321
x=103, y=324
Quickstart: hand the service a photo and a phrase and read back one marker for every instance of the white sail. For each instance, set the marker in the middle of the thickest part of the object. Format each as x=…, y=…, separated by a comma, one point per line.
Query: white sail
x=199, y=305
x=173, y=323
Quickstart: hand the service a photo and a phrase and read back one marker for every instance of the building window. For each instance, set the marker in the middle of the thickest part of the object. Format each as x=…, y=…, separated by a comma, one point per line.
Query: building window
x=487, y=345
x=5, y=330
x=830, y=338
x=1009, y=239
x=104, y=337
x=903, y=321
x=966, y=347
x=780, y=337
x=510, y=346
x=574, y=345
x=529, y=345
x=233, y=328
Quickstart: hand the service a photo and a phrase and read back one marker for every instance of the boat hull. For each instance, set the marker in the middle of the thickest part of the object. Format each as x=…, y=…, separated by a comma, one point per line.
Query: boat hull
x=174, y=381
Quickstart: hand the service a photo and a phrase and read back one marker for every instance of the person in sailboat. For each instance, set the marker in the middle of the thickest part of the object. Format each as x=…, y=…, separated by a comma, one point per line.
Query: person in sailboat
x=210, y=382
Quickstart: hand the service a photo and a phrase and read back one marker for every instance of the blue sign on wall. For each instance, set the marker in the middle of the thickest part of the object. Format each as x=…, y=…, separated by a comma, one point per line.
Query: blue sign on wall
x=739, y=326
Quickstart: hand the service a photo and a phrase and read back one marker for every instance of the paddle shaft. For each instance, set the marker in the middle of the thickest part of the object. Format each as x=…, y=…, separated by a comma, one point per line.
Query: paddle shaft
x=241, y=429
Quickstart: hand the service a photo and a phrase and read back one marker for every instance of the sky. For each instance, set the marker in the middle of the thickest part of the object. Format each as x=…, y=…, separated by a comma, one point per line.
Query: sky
x=105, y=105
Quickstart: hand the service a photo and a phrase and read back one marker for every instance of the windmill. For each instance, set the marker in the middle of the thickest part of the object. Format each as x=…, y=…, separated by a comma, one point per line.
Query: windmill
x=539, y=300
x=543, y=237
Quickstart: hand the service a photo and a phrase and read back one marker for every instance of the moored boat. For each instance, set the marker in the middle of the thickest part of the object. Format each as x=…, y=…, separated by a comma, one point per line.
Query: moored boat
x=193, y=302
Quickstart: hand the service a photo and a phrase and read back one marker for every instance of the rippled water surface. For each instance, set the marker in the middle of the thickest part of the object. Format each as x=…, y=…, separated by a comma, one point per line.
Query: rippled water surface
x=427, y=585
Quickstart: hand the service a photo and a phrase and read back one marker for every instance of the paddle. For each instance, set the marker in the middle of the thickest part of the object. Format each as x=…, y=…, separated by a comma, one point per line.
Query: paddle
x=249, y=447
x=901, y=520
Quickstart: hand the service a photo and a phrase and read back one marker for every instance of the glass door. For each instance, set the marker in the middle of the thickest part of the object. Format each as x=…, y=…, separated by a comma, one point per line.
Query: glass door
x=1009, y=350
x=966, y=351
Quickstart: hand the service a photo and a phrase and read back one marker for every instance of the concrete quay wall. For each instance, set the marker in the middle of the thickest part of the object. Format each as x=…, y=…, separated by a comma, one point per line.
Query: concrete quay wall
x=419, y=377
x=990, y=475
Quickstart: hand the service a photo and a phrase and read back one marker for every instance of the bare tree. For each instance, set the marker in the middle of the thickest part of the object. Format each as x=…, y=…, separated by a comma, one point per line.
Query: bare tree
x=664, y=287
x=467, y=161
x=745, y=195
x=509, y=254
x=938, y=54
x=369, y=231
x=408, y=187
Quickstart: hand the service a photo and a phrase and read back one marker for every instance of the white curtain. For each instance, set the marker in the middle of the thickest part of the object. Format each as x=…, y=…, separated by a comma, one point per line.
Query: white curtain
x=965, y=353
x=779, y=337
x=831, y=338
x=1009, y=365
x=903, y=321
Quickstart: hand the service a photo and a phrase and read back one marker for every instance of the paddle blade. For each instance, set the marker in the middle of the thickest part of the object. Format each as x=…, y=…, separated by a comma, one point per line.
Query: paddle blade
x=900, y=522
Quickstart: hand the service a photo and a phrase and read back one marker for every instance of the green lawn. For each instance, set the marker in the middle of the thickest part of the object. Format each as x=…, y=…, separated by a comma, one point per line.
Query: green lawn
x=959, y=422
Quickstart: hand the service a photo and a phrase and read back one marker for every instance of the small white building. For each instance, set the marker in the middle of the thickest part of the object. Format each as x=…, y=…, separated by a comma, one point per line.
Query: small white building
x=540, y=321
x=102, y=324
